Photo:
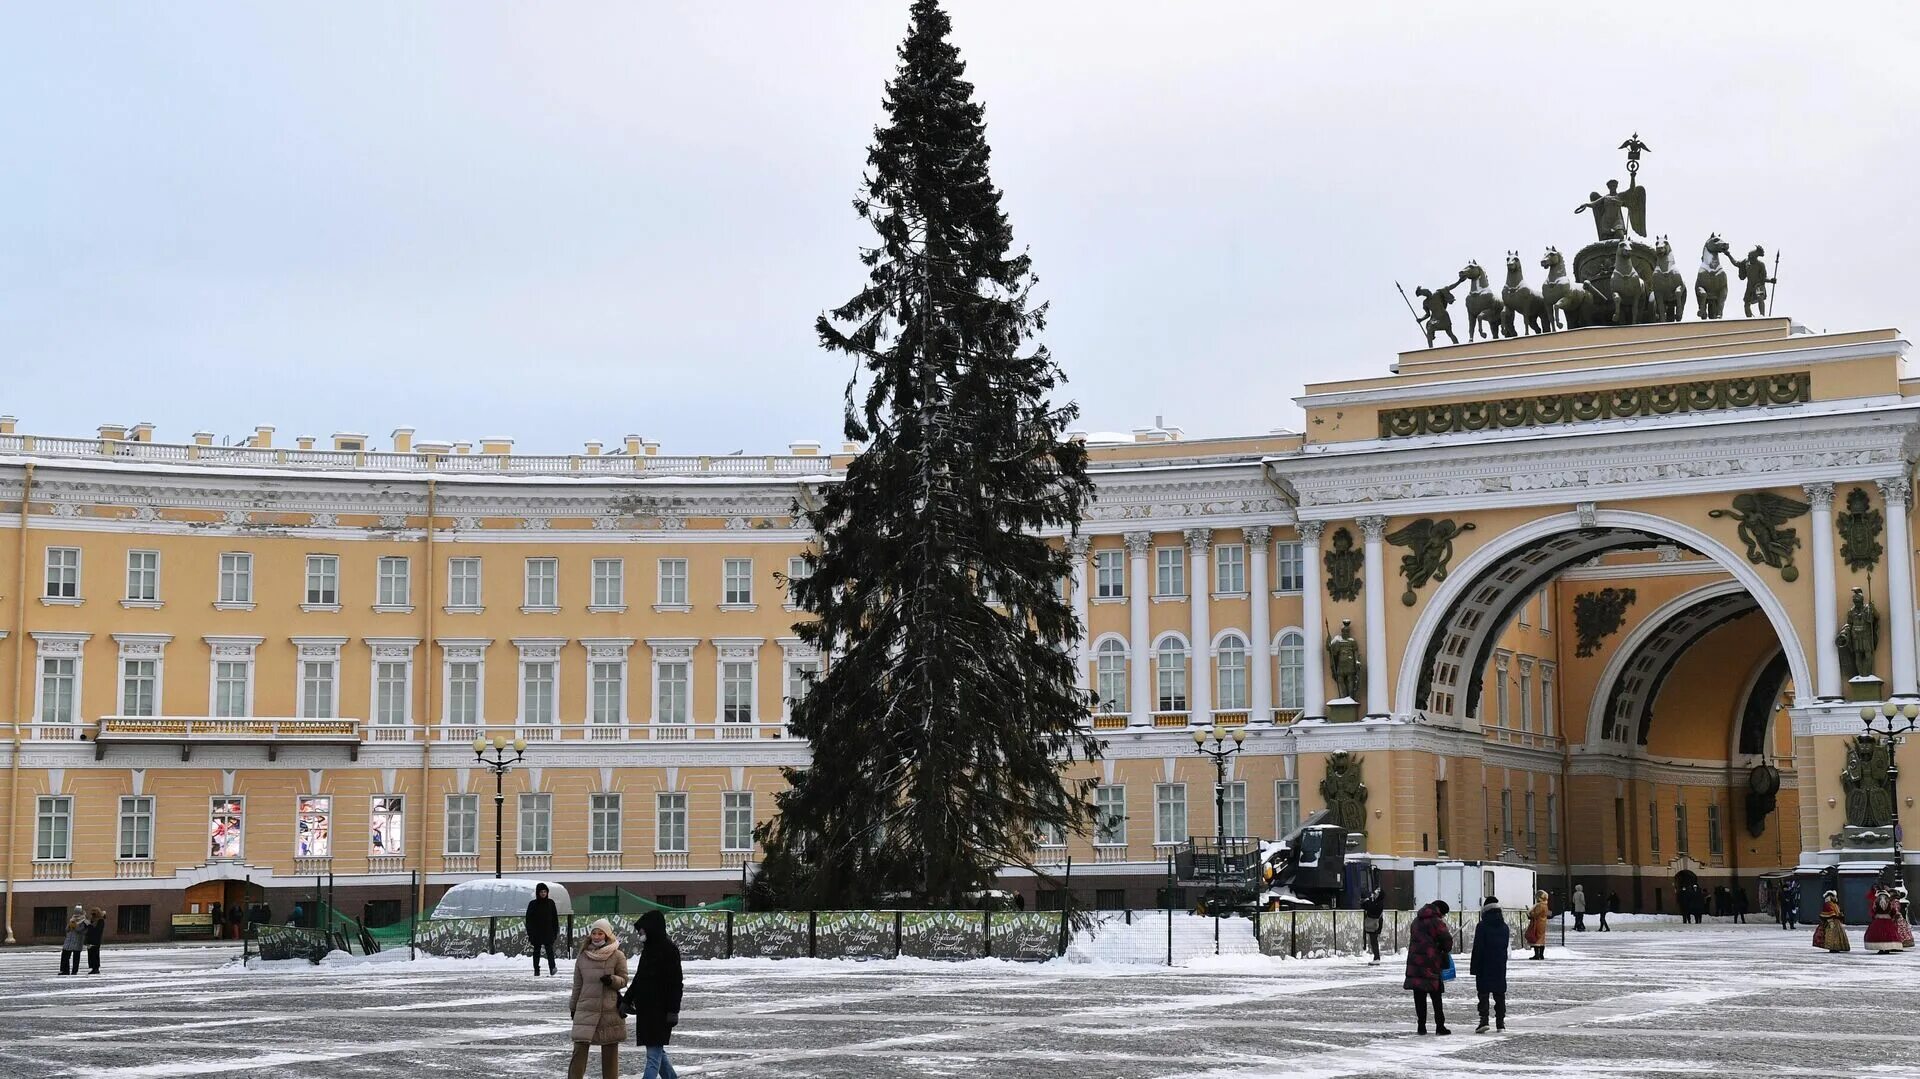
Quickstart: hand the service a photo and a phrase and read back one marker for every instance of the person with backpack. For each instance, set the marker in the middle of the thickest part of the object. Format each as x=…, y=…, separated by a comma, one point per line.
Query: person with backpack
x=1373, y=920
x=654, y=997
x=543, y=928
x=1488, y=964
x=1429, y=954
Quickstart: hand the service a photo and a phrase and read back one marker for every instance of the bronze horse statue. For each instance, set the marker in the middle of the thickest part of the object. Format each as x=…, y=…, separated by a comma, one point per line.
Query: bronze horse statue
x=1482, y=304
x=1580, y=302
x=1710, y=284
x=1523, y=301
x=1625, y=286
x=1667, y=291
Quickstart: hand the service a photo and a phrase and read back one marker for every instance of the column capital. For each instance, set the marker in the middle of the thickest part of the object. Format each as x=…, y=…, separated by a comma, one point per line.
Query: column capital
x=1895, y=489
x=1199, y=539
x=1138, y=543
x=1820, y=494
x=1373, y=528
x=1310, y=532
x=1257, y=535
x=1078, y=546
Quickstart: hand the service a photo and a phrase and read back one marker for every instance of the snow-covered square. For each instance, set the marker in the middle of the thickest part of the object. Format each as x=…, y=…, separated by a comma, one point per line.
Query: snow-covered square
x=1644, y=1001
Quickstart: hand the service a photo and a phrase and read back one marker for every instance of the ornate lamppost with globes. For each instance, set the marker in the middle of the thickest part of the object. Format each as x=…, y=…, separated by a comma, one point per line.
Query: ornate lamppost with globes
x=499, y=764
x=1220, y=745
x=1893, y=721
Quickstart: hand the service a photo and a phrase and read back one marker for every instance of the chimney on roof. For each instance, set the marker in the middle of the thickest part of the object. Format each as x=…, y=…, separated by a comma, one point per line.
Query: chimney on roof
x=112, y=431
x=7, y=424
x=263, y=437
x=650, y=448
x=349, y=441
x=463, y=447
x=496, y=444
x=143, y=432
x=593, y=449
x=203, y=438
x=403, y=440
x=633, y=444
x=803, y=449
x=305, y=442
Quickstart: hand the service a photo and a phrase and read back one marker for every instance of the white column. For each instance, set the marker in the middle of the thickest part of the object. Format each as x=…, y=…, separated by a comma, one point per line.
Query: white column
x=1139, y=686
x=1375, y=531
x=1077, y=548
x=1259, y=654
x=1199, y=592
x=1897, y=492
x=1313, y=677
x=1826, y=615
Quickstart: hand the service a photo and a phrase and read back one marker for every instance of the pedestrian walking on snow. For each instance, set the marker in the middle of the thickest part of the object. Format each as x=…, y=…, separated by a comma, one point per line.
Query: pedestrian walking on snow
x=1579, y=908
x=1883, y=912
x=599, y=976
x=1900, y=916
x=1739, y=906
x=1488, y=964
x=1611, y=906
x=1429, y=953
x=96, y=933
x=1373, y=920
x=1831, y=933
x=1537, y=926
x=543, y=927
x=75, y=940
x=654, y=998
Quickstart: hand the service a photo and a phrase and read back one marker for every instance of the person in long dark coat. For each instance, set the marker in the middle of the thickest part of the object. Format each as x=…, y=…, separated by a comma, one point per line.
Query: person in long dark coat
x=96, y=934
x=1429, y=944
x=1373, y=920
x=1488, y=964
x=543, y=927
x=653, y=999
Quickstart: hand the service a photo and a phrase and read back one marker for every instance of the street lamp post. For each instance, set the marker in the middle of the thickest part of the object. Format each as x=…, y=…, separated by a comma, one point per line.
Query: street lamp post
x=499, y=764
x=1893, y=721
x=1220, y=745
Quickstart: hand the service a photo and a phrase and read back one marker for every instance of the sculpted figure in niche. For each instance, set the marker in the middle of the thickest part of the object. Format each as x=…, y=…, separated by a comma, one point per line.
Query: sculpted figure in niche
x=1859, y=639
x=1343, y=657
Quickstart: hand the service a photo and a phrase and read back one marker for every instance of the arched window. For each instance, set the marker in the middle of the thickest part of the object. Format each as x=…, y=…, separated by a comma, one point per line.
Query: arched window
x=1231, y=673
x=1171, y=671
x=1110, y=661
x=1293, y=671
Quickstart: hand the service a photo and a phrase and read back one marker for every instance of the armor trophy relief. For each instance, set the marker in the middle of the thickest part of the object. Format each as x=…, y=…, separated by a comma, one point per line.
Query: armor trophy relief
x=1616, y=280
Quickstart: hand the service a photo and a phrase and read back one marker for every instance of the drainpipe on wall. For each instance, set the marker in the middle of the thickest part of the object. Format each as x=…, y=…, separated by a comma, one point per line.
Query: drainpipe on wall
x=426, y=707
x=19, y=692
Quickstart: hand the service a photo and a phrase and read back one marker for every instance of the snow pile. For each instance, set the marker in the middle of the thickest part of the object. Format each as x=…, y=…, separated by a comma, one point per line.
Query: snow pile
x=1145, y=940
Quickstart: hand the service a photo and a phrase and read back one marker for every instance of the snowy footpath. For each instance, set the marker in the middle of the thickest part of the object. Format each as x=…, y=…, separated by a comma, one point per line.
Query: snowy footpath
x=1651, y=1000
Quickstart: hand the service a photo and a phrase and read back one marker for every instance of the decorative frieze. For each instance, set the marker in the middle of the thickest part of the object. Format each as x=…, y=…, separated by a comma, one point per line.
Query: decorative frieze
x=1588, y=406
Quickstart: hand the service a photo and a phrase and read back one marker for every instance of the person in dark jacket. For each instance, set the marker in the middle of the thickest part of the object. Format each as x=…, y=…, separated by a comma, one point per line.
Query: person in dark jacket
x=1373, y=919
x=237, y=921
x=653, y=998
x=1429, y=947
x=1611, y=906
x=1737, y=905
x=1488, y=964
x=543, y=928
x=96, y=933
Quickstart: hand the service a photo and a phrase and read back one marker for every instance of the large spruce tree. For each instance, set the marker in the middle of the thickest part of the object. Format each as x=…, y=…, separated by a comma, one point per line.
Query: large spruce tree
x=947, y=713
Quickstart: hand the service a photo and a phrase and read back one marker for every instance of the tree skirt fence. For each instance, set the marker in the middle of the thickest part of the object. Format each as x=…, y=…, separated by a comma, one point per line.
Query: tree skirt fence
x=1316, y=934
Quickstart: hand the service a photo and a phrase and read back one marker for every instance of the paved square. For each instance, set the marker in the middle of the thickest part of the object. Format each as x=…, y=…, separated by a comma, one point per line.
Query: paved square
x=1643, y=1001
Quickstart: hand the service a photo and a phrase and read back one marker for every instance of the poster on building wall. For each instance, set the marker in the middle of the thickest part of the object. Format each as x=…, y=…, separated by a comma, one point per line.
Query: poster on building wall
x=313, y=827
x=387, y=827
x=224, y=836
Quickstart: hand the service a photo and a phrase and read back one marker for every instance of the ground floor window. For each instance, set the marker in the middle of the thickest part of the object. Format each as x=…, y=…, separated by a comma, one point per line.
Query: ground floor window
x=49, y=921
x=1110, y=898
x=133, y=920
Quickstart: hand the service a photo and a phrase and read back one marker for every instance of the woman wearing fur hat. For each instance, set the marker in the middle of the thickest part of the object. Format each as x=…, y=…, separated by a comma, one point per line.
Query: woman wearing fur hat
x=599, y=975
x=75, y=940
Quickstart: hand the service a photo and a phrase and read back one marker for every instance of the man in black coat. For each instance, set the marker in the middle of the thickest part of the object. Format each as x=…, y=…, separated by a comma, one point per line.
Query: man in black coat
x=543, y=928
x=653, y=997
x=96, y=932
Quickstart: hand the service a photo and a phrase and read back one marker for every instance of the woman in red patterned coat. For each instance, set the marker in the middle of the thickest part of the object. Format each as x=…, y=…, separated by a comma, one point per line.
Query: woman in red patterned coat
x=1429, y=949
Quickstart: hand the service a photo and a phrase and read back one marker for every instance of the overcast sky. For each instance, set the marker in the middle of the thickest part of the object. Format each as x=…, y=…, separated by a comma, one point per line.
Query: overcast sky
x=563, y=221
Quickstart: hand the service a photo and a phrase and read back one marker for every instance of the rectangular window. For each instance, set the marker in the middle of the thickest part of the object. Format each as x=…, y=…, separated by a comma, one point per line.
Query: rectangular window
x=395, y=582
x=736, y=820
x=1715, y=847
x=230, y=678
x=543, y=583
x=1230, y=568
x=136, y=828
x=226, y=834
x=1286, y=807
x=1533, y=835
x=1553, y=825
x=1169, y=813
x=236, y=578
x=609, y=683
x=63, y=573
x=603, y=816
x=1506, y=820
x=1110, y=682
x=133, y=919
x=57, y=687
x=1110, y=574
x=316, y=688
x=463, y=694
x=1526, y=696
x=143, y=576
x=313, y=827
x=1051, y=835
x=1681, y=841
x=797, y=570
x=673, y=582
x=537, y=693
x=1170, y=668
x=1169, y=571
x=1110, y=816
x=323, y=580
x=670, y=704
x=1653, y=827
x=1233, y=810
x=672, y=833
x=390, y=692
x=1501, y=698
x=139, y=686
x=53, y=835
x=463, y=583
x=536, y=824
x=463, y=824
x=609, y=582
x=1289, y=572
x=736, y=582
x=387, y=826
x=800, y=676
x=736, y=692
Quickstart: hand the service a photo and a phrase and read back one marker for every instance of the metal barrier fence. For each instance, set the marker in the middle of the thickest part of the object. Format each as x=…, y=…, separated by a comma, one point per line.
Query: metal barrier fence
x=1317, y=934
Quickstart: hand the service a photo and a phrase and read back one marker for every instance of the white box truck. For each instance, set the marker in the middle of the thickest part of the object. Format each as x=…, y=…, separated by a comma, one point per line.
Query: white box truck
x=1466, y=885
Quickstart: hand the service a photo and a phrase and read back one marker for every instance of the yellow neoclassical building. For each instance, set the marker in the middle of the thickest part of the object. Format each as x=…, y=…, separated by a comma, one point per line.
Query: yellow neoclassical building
x=1596, y=582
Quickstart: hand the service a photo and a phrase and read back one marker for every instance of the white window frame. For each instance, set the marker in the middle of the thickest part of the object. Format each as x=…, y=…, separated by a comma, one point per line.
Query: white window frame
x=541, y=582
x=1653, y=825
x=393, y=584
x=536, y=823
x=794, y=686
x=1106, y=654
x=465, y=573
x=1231, y=693
x=395, y=813
x=733, y=654
x=61, y=584
x=447, y=664
x=672, y=590
x=240, y=814
x=1546, y=699
x=51, y=811
x=462, y=809
x=1532, y=829
x=736, y=584
x=137, y=811
x=604, y=822
x=677, y=653
x=1169, y=573
x=1110, y=827
x=1290, y=661
x=318, y=652
x=795, y=563
x=670, y=822
x=320, y=590
x=1286, y=807
x=1526, y=692
x=1502, y=700
x=325, y=803
x=537, y=659
x=1234, y=802
x=1289, y=567
x=1172, y=686
x=609, y=586
x=1229, y=570
x=127, y=663
x=390, y=652
x=237, y=650
x=1506, y=820
x=53, y=647
x=1716, y=841
x=734, y=806
x=1109, y=575
x=595, y=666
x=1166, y=797
x=143, y=580
x=1682, y=842
x=1553, y=824
x=235, y=569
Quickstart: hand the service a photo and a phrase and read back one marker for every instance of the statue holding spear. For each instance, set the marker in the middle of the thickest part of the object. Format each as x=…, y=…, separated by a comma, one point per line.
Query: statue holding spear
x=1437, y=320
